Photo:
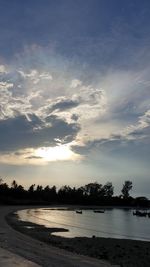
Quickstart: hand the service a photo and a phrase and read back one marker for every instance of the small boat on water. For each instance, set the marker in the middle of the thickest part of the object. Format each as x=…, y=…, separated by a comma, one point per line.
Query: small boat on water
x=140, y=213
x=79, y=211
x=98, y=211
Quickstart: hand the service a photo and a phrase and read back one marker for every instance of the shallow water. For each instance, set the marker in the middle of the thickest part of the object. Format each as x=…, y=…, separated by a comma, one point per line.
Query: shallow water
x=115, y=223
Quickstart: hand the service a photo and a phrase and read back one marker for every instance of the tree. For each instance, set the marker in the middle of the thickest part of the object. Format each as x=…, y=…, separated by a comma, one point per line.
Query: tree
x=14, y=184
x=31, y=188
x=127, y=186
x=39, y=188
x=108, y=189
x=93, y=189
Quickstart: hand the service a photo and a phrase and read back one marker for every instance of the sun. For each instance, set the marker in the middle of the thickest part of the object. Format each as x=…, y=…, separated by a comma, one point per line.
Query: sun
x=61, y=152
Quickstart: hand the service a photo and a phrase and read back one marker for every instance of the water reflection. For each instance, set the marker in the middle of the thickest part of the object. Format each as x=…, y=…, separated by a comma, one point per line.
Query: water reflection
x=117, y=223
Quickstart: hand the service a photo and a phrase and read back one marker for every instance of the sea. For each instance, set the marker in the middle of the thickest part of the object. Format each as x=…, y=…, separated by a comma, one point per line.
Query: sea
x=113, y=223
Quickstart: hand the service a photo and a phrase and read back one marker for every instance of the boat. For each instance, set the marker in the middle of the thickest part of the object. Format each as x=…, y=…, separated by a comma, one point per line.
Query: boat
x=79, y=211
x=140, y=213
x=99, y=211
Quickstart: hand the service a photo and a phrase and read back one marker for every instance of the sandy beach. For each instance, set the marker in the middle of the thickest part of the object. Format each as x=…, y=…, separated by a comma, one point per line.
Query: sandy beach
x=36, y=251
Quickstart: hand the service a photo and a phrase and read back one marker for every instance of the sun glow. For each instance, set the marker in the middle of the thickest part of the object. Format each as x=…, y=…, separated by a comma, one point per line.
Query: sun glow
x=56, y=153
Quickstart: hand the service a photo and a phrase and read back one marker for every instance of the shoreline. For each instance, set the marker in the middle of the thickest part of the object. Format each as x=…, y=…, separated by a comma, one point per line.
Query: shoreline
x=36, y=251
x=123, y=252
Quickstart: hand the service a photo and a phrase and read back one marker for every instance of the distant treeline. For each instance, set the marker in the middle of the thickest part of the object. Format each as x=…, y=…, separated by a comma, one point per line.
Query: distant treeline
x=89, y=194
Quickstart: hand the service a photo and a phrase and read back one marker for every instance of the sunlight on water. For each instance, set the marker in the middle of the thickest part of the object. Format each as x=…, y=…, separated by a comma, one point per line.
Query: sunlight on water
x=115, y=223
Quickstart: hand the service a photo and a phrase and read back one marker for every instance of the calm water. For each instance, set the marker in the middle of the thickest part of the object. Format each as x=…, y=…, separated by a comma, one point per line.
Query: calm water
x=116, y=223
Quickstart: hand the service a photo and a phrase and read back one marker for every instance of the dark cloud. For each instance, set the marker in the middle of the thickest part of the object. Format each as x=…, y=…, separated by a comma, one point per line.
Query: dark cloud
x=127, y=111
x=30, y=132
x=141, y=133
x=117, y=147
x=75, y=117
x=97, y=144
x=64, y=105
x=34, y=157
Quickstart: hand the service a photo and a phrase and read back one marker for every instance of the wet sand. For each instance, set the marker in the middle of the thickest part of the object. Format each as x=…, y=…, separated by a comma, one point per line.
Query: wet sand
x=34, y=249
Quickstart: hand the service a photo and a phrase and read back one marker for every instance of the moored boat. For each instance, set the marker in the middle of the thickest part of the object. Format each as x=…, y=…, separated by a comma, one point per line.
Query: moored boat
x=99, y=211
x=140, y=213
x=79, y=211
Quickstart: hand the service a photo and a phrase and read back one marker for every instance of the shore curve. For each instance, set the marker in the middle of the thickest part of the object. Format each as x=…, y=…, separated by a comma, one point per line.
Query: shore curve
x=38, y=252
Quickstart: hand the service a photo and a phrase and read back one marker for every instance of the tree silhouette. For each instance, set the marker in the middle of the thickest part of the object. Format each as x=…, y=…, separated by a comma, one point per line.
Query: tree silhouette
x=127, y=186
x=108, y=190
x=89, y=194
x=14, y=184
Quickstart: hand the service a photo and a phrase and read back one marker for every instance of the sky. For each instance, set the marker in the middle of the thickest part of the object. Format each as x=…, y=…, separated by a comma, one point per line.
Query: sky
x=75, y=92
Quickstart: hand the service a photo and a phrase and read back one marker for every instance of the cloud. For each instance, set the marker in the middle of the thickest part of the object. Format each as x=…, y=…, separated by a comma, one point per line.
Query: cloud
x=33, y=157
x=5, y=85
x=3, y=69
x=139, y=130
x=117, y=150
x=35, y=76
x=133, y=141
x=74, y=117
x=30, y=132
x=64, y=104
x=75, y=83
x=98, y=114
